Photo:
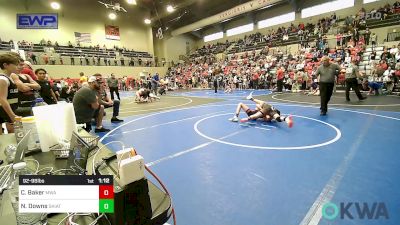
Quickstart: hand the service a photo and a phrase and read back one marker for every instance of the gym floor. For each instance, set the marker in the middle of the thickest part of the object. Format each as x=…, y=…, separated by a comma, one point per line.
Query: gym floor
x=224, y=173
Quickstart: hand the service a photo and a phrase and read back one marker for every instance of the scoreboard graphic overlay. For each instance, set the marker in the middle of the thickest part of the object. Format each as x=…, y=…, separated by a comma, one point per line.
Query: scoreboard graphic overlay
x=66, y=193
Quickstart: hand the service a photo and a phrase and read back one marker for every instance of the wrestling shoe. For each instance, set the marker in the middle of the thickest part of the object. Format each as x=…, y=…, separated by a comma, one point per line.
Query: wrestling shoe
x=244, y=120
x=250, y=96
x=154, y=96
x=289, y=121
x=100, y=130
x=234, y=119
x=116, y=120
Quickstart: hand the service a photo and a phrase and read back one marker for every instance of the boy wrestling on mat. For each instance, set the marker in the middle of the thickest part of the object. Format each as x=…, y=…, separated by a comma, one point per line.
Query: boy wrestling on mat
x=263, y=111
x=145, y=95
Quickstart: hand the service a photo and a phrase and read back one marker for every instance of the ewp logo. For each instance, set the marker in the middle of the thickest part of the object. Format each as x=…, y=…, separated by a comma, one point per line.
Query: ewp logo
x=376, y=211
x=37, y=21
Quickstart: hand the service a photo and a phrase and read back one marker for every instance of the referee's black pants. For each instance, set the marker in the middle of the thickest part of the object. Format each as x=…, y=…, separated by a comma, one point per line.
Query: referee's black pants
x=326, y=90
x=352, y=83
x=112, y=90
x=279, y=83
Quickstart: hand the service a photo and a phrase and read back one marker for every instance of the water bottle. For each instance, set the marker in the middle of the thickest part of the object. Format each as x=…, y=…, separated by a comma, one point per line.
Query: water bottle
x=18, y=129
x=9, y=152
x=23, y=218
x=29, y=124
x=40, y=102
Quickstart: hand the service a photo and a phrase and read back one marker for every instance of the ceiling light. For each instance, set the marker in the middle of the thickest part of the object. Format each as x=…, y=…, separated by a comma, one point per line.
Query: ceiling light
x=112, y=16
x=131, y=2
x=147, y=21
x=55, y=5
x=170, y=9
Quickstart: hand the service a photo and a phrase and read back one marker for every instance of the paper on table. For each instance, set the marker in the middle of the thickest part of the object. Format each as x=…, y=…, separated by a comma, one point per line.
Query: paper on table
x=54, y=123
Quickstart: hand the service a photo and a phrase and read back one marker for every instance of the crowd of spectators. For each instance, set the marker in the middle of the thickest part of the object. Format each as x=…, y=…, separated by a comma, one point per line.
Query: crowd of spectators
x=279, y=71
x=311, y=32
x=211, y=49
x=95, y=55
x=287, y=72
x=261, y=69
x=24, y=88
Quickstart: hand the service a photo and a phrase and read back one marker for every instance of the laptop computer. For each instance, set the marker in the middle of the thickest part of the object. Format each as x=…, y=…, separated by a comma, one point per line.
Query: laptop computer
x=78, y=155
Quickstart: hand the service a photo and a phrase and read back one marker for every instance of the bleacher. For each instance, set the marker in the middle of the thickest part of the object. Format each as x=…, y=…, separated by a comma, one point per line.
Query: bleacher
x=63, y=52
x=6, y=46
x=102, y=53
x=136, y=54
x=365, y=64
x=294, y=39
x=83, y=51
x=391, y=20
x=214, y=49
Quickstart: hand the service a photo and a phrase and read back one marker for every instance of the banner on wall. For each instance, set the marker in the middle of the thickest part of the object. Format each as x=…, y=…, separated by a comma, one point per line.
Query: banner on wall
x=225, y=15
x=112, y=32
x=83, y=37
x=37, y=21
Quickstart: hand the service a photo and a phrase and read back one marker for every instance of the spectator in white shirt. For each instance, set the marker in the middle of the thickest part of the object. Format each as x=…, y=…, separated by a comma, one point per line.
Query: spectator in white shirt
x=394, y=50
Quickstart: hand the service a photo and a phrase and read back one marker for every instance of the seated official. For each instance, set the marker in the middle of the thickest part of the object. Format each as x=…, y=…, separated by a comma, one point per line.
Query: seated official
x=105, y=101
x=86, y=103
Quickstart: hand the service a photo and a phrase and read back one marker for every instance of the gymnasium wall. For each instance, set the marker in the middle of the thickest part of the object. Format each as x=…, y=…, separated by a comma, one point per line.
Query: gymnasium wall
x=171, y=47
x=60, y=71
x=282, y=9
x=78, y=16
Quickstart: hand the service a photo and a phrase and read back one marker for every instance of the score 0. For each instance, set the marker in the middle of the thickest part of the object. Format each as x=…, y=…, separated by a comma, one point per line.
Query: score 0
x=106, y=198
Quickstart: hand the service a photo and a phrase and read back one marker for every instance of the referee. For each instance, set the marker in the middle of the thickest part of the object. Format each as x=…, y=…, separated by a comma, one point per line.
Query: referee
x=352, y=73
x=327, y=74
x=112, y=83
